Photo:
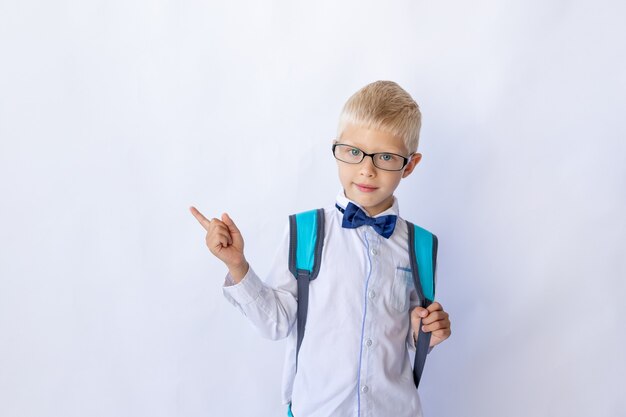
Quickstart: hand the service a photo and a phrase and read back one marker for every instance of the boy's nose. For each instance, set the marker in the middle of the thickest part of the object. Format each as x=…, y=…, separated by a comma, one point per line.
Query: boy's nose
x=367, y=166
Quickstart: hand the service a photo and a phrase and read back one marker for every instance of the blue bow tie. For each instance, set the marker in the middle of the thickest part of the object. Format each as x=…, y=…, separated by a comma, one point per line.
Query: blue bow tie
x=354, y=217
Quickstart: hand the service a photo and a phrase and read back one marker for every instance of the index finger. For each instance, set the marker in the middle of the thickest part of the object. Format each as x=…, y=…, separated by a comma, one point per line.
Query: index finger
x=201, y=219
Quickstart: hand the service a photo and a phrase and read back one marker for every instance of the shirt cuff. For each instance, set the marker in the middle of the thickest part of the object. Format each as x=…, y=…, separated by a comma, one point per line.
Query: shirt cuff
x=244, y=292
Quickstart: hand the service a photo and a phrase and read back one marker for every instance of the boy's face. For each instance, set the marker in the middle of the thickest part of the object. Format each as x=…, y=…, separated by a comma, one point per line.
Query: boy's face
x=371, y=187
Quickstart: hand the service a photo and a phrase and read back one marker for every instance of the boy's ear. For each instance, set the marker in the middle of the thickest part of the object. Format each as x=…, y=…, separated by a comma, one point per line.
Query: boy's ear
x=410, y=166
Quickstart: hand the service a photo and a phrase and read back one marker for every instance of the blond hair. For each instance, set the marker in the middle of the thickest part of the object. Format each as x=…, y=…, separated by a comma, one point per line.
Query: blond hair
x=384, y=106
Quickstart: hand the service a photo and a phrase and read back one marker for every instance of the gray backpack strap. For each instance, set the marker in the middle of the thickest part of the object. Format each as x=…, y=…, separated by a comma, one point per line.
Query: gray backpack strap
x=423, y=257
x=306, y=239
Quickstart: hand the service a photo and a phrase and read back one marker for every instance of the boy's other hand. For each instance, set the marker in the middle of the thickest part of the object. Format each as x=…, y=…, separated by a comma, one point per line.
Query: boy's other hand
x=224, y=240
x=432, y=319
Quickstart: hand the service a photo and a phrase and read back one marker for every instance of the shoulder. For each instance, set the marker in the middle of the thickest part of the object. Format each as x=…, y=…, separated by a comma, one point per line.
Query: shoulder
x=329, y=212
x=331, y=220
x=418, y=229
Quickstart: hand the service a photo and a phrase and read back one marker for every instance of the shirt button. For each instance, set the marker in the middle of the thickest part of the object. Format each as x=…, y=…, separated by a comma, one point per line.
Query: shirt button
x=364, y=389
x=372, y=294
x=368, y=342
x=374, y=252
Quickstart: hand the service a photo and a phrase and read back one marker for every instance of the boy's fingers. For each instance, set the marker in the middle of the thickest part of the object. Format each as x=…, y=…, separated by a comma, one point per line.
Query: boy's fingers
x=435, y=316
x=434, y=307
x=219, y=237
x=224, y=236
x=224, y=241
x=441, y=324
x=218, y=226
x=442, y=333
x=419, y=312
x=201, y=219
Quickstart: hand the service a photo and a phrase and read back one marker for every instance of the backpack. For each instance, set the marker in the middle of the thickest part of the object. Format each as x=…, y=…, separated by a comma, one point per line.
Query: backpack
x=306, y=239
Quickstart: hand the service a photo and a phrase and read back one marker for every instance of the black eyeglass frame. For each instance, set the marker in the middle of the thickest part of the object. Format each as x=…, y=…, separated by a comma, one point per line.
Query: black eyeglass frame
x=371, y=155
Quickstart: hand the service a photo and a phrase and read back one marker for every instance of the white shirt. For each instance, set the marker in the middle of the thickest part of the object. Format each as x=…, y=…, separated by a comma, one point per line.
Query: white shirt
x=354, y=359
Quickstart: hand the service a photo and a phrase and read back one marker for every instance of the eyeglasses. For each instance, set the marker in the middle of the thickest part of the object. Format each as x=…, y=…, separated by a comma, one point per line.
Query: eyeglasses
x=383, y=160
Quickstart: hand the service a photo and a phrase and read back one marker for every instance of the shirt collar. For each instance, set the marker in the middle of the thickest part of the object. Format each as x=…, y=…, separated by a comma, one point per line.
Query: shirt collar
x=343, y=201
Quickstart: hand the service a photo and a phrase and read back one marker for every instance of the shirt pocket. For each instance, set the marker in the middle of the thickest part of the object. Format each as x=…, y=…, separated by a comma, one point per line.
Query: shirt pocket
x=401, y=289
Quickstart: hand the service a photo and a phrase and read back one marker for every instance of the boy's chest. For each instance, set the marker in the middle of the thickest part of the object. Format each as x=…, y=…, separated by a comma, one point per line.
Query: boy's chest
x=360, y=268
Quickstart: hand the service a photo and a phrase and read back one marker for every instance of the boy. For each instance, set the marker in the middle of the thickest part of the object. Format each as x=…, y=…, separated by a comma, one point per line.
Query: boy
x=354, y=358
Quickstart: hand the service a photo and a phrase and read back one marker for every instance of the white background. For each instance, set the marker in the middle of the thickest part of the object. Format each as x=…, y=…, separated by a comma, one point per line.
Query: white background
x=116, y=116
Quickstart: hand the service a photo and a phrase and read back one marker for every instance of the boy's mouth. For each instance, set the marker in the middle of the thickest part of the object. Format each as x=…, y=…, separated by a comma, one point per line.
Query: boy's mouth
x=365, y=188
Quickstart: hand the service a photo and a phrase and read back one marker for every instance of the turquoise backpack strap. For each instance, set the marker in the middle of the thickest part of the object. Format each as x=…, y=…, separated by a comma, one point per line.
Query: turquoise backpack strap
x=306, y=238
x=423, y=257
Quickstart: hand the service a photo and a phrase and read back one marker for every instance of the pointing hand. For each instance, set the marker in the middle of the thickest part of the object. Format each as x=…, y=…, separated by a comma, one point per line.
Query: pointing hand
x=224, y=240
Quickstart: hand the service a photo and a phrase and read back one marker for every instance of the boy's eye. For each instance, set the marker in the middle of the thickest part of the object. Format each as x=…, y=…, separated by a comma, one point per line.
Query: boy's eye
x=387, y=157
x=355, y=152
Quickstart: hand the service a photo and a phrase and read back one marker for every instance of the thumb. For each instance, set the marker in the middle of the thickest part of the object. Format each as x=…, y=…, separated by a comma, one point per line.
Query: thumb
x=232, y=227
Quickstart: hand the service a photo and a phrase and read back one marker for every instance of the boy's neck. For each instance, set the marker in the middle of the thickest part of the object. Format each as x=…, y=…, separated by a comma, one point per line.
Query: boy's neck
x=377, y=210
